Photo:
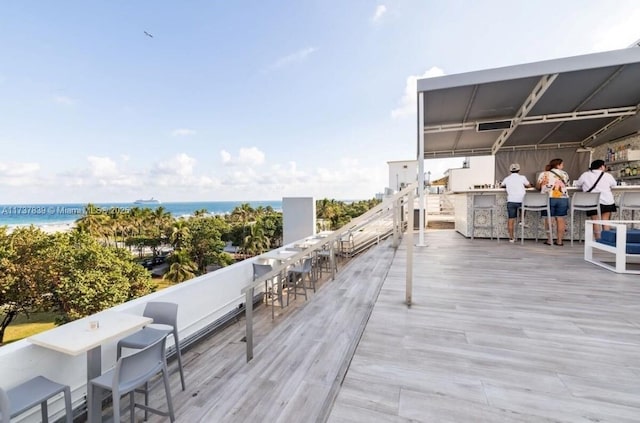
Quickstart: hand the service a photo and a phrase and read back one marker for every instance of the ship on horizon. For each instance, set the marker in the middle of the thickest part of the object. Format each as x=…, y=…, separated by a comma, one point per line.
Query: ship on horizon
x=149, y=201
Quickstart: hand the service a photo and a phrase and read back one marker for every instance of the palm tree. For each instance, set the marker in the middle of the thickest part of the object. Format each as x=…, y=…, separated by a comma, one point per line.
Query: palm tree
x=256, y=242
x=243, y=214
x=200, y=213
x=93, y=222
x=180, y=234
x=181, y=267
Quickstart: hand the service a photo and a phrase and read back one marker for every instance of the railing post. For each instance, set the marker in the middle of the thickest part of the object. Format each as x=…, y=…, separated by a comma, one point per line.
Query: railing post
x=248, y=307
x=396, y=223
x=332, y=260
x=409, y=241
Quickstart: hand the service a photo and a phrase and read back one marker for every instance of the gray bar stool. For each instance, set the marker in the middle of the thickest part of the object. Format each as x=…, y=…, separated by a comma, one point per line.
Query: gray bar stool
x=165, y=320
x=483, y=202
x=538, y=202
x=584, y=201
x=132, y=372
x=269, y=292
x=36, y=391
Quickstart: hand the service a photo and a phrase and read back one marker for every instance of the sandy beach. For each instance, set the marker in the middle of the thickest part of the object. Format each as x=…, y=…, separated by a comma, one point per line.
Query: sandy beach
x=48, y=228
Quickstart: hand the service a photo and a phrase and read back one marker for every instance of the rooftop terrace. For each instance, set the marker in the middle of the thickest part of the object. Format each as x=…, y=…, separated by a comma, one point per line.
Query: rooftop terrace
x=497, y=332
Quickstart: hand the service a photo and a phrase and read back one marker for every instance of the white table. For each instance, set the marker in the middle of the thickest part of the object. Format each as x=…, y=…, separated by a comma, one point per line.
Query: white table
x=306, y=243
x=77, y=337
x=281, y=256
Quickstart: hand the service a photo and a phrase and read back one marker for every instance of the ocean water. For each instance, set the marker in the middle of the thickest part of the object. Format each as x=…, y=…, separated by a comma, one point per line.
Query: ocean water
x=55, y=214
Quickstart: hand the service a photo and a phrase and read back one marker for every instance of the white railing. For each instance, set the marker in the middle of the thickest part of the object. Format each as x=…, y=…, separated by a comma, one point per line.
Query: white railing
x=202, y=301
x=389, y=207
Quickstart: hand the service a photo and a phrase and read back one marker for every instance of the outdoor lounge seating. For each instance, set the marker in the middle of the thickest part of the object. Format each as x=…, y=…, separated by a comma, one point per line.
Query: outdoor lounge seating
x=622, y=242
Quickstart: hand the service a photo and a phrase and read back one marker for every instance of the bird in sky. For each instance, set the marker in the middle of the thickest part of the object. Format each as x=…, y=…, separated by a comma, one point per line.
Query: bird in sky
x=147, y=34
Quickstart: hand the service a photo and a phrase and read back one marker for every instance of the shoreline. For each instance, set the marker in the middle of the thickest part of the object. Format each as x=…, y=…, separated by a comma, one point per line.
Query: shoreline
x=49, y=228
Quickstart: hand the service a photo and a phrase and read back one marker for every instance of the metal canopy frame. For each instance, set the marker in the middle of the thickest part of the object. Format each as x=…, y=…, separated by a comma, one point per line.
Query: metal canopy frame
x=581, y=101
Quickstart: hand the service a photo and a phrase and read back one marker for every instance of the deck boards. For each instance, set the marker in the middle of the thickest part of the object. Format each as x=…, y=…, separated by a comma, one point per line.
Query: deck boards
x=497, y=333
x=500, y=333
x=299, y=358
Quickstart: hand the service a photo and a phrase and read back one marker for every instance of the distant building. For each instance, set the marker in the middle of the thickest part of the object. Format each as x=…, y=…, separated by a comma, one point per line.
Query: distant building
x=402, y=173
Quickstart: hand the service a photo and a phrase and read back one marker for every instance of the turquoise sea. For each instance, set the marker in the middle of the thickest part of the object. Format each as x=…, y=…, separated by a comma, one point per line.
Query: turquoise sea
x=54, y=214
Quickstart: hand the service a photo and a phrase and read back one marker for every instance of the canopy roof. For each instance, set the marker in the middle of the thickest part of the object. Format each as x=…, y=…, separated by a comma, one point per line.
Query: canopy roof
x=582, y=101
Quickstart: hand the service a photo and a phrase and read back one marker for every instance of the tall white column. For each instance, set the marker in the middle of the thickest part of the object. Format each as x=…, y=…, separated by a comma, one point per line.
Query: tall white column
x=420, y=168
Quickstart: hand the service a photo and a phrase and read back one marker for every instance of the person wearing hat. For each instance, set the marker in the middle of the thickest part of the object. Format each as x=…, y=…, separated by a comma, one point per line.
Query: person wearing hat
x=596, y=179
x=516, y=185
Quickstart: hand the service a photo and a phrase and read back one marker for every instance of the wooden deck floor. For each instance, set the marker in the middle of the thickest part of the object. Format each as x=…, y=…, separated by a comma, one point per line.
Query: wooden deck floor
x=497, y=333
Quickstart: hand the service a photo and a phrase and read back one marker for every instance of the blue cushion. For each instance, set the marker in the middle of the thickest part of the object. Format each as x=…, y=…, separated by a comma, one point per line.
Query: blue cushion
x=633, y=236
x=632, y=247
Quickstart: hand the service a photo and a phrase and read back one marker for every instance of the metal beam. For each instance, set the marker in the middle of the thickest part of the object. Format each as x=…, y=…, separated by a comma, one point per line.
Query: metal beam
x=536, y=94
x=550, y=118
x=592, y=138
x=439, y=154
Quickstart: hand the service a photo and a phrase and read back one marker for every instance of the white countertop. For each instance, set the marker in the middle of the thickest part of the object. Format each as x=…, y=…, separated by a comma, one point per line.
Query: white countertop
x=569, y=189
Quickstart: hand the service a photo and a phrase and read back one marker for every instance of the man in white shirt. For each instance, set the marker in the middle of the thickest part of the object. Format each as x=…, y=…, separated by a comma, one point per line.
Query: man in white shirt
x=516, y=185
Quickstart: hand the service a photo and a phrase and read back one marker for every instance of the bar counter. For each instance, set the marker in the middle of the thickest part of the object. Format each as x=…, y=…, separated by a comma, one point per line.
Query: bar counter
x=463, y=200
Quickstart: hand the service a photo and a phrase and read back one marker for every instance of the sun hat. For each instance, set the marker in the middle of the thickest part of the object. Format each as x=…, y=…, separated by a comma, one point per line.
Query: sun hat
x=515, y=167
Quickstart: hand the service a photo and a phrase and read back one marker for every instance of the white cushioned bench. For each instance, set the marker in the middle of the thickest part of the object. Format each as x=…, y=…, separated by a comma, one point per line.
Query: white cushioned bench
x=616, y=245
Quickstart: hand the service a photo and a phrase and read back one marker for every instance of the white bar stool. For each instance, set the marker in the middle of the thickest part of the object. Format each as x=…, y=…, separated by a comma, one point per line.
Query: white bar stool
x=483, y=202
x=584, y=201
x=539, y=202
x=629, y=201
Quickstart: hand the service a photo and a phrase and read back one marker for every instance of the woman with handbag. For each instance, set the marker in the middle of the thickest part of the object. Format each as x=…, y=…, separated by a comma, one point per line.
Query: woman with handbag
x=596, y=179
x=554, y=181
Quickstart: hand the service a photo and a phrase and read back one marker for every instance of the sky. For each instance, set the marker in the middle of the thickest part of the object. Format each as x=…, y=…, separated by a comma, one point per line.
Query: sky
x=116, y=100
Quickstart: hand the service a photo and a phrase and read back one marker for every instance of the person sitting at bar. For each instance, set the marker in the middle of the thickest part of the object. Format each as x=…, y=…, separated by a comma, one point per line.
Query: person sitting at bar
x=596, y=179
x=515, y=185
x=554, y=181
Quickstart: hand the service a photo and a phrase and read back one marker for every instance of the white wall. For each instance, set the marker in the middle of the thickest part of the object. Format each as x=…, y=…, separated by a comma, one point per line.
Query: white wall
x=481, y=171
x=298, y=218
x=402, y=172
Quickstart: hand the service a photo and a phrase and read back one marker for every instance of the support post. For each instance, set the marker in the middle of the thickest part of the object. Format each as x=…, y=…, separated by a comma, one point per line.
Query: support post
x=420, y=169
x=409, y=243
x=248, y=314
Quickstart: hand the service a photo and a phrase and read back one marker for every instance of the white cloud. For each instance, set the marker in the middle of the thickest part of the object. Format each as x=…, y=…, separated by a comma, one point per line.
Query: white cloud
x=381, y=9
x=408, y=102
x=251, y=156
x=15, y=174
x=102, y=167
x=11, y=169
x=180, y=165
x=67, y=101
x=246, y=156
x=296, y=57
x=183, y=132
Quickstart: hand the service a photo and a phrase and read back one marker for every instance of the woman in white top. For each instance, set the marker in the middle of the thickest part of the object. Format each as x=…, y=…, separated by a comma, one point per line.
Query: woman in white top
x=596, y=179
